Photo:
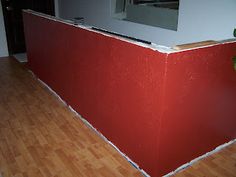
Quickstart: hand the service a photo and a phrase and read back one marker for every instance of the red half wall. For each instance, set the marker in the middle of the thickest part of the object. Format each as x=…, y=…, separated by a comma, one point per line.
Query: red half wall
x=161, y=110
x=199, y=111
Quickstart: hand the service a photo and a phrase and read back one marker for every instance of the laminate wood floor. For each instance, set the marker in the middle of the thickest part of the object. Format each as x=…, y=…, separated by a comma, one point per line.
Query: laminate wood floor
x=220, y=164
x=41, y=137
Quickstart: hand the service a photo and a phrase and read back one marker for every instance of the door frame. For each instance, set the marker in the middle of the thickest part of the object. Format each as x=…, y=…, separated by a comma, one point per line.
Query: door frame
x=5, y=26
x=3, y=42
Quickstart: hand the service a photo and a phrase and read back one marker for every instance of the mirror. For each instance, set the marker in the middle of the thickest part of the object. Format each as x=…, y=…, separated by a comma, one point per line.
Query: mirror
x=158, y=13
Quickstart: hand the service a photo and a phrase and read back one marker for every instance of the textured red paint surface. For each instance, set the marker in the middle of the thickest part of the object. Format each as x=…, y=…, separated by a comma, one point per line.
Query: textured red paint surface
x=161, y=110
x=199, y=106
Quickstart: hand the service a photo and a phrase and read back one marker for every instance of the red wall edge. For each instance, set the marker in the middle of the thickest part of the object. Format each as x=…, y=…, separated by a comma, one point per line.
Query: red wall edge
x=199, y=105
x=161, y=110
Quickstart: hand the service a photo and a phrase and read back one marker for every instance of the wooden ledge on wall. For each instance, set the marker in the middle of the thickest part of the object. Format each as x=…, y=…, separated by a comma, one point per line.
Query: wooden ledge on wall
x=194, y=45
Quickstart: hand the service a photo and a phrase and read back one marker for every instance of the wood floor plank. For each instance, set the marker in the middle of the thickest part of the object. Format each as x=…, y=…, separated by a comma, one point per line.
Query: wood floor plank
x=220, y=164
x=41, y=137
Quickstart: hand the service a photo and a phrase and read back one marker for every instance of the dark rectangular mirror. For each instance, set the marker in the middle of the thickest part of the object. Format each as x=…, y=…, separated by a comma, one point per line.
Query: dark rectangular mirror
x=158, y=13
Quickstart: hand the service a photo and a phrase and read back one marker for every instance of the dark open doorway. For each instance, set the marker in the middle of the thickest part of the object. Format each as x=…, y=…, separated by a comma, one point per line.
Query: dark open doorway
x=12, y=12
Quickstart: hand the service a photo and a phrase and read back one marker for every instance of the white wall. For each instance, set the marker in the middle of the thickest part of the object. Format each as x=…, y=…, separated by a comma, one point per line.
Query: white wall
x=198, y=20
x=3, y=41
x=56, y=8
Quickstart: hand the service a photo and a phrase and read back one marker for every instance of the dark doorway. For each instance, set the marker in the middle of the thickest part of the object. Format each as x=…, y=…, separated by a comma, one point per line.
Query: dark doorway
x=12, y=12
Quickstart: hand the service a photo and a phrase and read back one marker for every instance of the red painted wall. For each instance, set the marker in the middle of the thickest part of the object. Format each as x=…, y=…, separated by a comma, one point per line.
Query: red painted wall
x=199, y=106
x=161, y=110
